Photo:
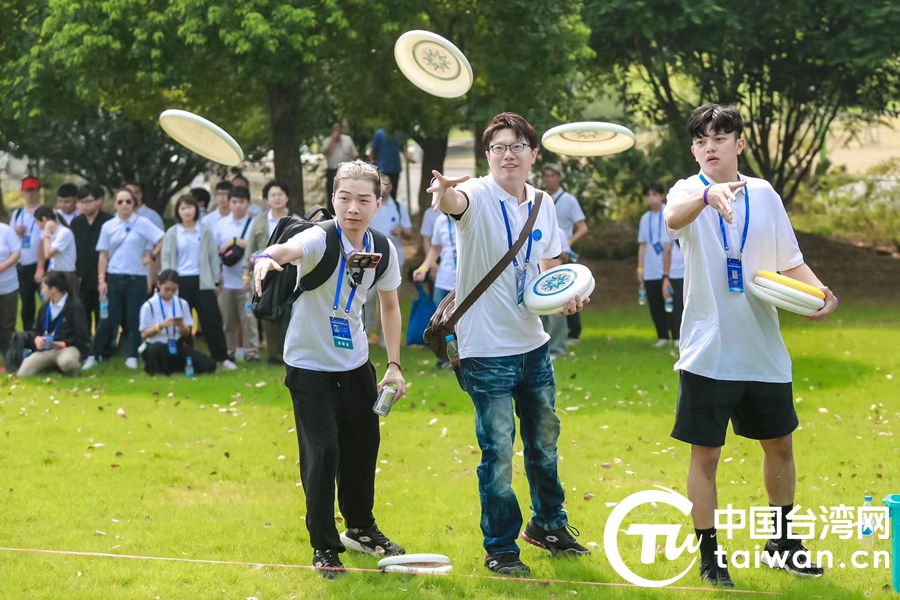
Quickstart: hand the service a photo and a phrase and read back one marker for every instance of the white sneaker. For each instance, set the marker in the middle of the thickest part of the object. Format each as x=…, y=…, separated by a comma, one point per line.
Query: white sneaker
x=228, y=365
x=89, y=364
x=661, y=344
x=131, y=362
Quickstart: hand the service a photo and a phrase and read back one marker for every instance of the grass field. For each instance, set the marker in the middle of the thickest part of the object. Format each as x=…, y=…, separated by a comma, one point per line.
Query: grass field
x=205, y=469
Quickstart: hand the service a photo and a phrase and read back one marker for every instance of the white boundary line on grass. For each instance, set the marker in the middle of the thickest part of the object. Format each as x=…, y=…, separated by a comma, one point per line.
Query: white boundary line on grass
x=357, y=570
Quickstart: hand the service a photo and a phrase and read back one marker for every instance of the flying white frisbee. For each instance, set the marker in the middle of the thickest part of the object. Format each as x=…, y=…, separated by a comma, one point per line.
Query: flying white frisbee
x=589, y=138
x=434, y=564
x=201, y=136
x=769, y=298
x=433, y=64
x=790, y=294
x=547, y=293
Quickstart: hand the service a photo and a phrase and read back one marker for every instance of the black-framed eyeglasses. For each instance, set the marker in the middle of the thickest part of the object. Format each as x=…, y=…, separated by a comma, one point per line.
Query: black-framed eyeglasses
x=516, y=148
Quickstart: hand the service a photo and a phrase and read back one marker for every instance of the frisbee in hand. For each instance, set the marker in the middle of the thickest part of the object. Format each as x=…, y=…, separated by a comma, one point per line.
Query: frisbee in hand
x=547, y=293
x=433, y=64
x=421, y=564
x=201, y=136
x=787, y=293
x=588, y=138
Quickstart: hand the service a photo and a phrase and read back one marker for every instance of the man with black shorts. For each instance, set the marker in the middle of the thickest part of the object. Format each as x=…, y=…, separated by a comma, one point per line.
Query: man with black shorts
x=734, y=364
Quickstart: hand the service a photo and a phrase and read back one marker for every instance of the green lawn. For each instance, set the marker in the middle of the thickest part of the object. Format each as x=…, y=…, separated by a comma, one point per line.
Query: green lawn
x=205, y=469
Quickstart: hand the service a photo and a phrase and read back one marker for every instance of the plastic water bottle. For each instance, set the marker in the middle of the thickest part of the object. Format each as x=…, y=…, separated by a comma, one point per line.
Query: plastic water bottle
x=104, y=307
x=189, y=368
x=642, y=294
x=866, y=528
x=670, y=302
x=248, y=304
x=452, y=350
x=239, y=355
x=573, y=257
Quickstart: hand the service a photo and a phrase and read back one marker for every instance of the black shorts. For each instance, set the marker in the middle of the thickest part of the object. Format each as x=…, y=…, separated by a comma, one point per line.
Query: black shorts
x=759, y=411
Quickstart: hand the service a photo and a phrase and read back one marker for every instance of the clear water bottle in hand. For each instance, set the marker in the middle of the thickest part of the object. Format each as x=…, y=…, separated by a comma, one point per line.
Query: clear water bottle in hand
x=866, y=526
x=642, y=294
x=189, y=368
x=452, y=350
x=670, y=302
x=248, y=304
x=104, y=307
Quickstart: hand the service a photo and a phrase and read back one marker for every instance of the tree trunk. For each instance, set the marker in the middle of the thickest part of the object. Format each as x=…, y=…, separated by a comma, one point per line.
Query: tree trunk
x=434, y=151
x=285, y=117
x=3, y=213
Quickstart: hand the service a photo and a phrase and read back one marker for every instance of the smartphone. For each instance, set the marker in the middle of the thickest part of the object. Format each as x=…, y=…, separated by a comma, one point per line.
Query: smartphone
x=364, y=260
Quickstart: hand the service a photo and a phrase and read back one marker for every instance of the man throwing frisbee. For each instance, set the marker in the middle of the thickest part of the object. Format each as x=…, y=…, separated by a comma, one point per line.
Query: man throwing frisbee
x=505, y=360
x=734, y=364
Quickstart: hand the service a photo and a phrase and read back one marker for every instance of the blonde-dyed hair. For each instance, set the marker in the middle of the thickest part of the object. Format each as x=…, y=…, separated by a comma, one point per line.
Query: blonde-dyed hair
x=358, y=169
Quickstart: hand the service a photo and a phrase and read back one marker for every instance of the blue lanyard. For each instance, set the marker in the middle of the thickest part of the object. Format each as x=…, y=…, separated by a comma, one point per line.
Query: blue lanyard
x=452, y=241
x=509, y=236
x=746, y=219
x=658, y=226
x=337, y=292
x=47, y=320
x=162, y=307
x=22, y=213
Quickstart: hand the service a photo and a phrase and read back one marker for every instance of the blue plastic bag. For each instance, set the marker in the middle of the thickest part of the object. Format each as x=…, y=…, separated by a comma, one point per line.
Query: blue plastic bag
x=422, y=310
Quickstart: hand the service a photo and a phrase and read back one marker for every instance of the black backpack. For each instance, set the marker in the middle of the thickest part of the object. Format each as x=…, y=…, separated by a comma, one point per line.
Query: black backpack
x=280, y=288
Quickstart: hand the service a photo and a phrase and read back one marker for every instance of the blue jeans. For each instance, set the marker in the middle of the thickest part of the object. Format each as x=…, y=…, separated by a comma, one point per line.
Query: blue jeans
x=502, y=388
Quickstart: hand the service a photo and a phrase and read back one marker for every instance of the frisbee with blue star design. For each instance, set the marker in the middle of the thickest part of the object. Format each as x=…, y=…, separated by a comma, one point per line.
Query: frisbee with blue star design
x=547, y=293
x=433, y=64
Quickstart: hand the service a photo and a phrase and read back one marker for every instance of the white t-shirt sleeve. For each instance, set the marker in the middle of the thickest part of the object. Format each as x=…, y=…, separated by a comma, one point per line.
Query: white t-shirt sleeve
x=12, y=240
x=643, y=229
x=575, y=212
x=103, y=240
x=147, y=315
x=63, y=240
x=429, y=218
x=312, y=243
x=149, y=231
x=787, y=250
x=436, y=233
x=473, y=189
x=391, y=279
x=554, y=246
x=680, y=190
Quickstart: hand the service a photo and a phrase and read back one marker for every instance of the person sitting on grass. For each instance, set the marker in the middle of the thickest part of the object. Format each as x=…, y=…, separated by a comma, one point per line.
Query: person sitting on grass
x=60, y=334
x=166, y=330
x=330, y=377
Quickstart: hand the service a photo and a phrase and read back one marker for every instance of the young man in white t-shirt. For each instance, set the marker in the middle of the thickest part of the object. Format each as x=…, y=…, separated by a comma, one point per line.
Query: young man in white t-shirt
x=331, y=380
x=734, y=364
x=503, y=348
x=652, y=240
x=337, y=148
x=59, y=245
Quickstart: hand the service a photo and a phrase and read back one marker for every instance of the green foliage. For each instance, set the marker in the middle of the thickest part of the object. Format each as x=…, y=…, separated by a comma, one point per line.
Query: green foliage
x=791, y=68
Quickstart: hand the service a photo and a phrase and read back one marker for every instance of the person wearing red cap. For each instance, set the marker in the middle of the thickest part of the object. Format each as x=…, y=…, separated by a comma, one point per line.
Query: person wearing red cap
x=29, y=233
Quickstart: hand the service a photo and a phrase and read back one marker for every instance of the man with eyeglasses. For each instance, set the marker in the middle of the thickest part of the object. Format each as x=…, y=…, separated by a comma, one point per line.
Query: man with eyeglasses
x=86, y=228
x=504, y=351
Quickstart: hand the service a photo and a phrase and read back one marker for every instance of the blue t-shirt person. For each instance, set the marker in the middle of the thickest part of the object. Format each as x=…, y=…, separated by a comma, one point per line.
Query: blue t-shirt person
x=387, y=152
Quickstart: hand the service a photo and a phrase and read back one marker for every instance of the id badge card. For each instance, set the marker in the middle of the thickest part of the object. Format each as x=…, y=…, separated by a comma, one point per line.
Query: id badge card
x=26, y=242
x=48, y=341
x=520, y=285
x=173, y=346
x=735, y=276
x=340, y=331
x=658, y=247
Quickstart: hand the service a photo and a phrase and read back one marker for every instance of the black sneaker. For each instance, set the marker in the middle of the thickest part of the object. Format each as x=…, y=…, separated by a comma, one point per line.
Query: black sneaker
x=506, y=563
x=369, y=541
x=713, y=574
x=557, y=541
x=328, y=563
x=790, y=556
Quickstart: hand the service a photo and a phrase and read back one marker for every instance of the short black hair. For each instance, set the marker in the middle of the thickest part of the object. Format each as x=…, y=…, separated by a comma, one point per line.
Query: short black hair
x=240, y=176
x=167, y=276
x=239, y=192
x=90, y=189
x=57, y=279
x=279, y=184
x=67, y=190
x=724, y=118
x=224, y=185
x=201, y=195
x=654, y=187
x=44, y=212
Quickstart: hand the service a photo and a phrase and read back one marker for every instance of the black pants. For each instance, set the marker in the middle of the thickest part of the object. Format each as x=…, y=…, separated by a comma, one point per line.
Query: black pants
x=91, y=301
x=27, y=289
x=663, y=321
x=207, y=307
x=574, y=323
x=339, y=437
x=126, y=295
x=157, y=359
x=329, y=188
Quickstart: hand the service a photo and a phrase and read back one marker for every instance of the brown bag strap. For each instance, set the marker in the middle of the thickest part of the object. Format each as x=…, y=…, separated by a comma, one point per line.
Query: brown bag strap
x=504, y=262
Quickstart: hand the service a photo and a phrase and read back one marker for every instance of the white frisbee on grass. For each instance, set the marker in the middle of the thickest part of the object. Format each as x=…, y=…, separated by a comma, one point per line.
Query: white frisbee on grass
x=588, y=138
x=547, y=293
x=201, y=136
x=420, y=564
x=433, y=64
